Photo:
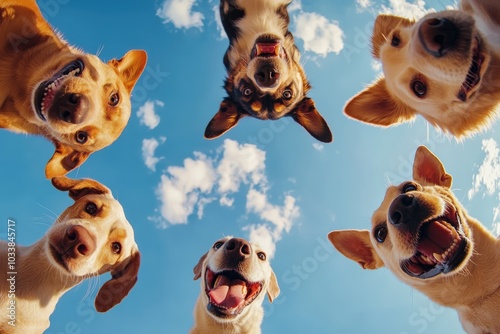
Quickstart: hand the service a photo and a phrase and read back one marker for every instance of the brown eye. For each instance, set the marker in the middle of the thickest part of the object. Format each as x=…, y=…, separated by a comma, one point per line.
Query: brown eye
x=419, y=88
x=218, y=245
x=410, y=186
x=395, y=41
x=380, y=233
x=116, y=247
x=287, y=94
x=114, y=99
x=91, y=208
x=262, y=256
x=81, y=137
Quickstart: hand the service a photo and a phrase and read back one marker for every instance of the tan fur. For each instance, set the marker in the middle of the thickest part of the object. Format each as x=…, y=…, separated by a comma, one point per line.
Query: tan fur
x=30, y=53
x=391, y=99
x=42, y=278
x=254, y=270
x=473, y=287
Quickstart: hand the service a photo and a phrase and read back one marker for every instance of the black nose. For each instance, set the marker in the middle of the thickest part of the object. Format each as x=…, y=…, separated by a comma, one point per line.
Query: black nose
x=267, y=76
x=238, y=247
x=402, y=210
x=437, y=36
x=72, y=108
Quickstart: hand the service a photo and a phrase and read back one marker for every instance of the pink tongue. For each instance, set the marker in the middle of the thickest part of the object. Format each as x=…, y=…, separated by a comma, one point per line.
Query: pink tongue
x=267, y=48
x=228, y=293
x=436, y=238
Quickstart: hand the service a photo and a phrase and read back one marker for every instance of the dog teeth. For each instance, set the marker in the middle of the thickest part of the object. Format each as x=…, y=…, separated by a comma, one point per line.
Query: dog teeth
x=217, y=280
x=244, y=290
x=438, y=257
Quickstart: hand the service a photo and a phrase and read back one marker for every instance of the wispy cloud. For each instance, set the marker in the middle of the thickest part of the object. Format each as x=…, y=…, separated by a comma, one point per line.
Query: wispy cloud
x=205, y=180
x=149, y=147
x=318, y=146
x=181, y=14
x=147, y=114
x=415, y=9
x=218, y=22
x=320, y=35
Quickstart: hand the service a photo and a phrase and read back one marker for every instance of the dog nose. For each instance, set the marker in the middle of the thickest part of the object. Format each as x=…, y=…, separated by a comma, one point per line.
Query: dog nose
x=400, y=209
x=437, y=36
x=267, y=76
x=78, y=241
x=238, y=247
x=72, y=108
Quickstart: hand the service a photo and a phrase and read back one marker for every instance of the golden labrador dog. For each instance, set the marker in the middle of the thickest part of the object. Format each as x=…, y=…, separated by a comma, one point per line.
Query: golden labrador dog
x=91, y=237
x=235, y=277
x=265, y=79
x=445, y=67
x=50, y=88
x=428, y=240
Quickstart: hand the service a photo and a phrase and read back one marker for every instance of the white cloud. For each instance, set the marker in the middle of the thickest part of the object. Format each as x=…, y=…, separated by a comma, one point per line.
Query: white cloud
x=218, y=22
x=149, y=147
x=414, y=10
x=180, y=13
x=204, y=180
x=147, y=114
x=364, y=3
x=319, y=35
x=318, y=146
x=295, y=5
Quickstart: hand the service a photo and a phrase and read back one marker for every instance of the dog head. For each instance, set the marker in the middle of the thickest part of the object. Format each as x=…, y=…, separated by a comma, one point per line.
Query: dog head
x=235, y=275
x=420, y=231
x=83, y=104
x=433, y=67
x=266, y=81
x=93, y=237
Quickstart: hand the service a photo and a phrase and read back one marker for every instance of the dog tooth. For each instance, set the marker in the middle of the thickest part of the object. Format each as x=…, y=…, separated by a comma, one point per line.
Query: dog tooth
x=217, y=280
x=438, y=257
x=244, y=290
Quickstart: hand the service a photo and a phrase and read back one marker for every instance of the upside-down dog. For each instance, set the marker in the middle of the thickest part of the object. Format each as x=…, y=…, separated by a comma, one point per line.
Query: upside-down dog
x=265, y=79
x=50, y=88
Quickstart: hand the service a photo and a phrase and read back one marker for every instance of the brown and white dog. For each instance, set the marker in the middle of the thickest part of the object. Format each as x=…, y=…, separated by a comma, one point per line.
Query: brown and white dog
x=445, y=67
x=91, y=237
x=235, y=277
x=428, y=240
x=265, y=79
x=50, y=88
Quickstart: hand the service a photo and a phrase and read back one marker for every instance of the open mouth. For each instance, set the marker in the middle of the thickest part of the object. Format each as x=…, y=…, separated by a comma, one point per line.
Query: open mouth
x=473, y=75
x=268, y=47
x=46, y=91
x=229, y=292
x=441, y=247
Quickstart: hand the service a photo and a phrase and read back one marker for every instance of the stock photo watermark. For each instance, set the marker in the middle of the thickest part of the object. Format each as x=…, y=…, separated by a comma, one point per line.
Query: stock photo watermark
x=11, y=271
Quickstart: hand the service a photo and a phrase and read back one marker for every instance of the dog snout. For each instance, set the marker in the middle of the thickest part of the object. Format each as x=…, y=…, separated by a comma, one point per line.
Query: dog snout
x=72, y=108
x=438, y=36
x=267, y=76
x=238, y=248
x=78, y=242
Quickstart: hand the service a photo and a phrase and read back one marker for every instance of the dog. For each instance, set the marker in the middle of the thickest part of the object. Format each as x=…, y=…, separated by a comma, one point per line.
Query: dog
x=427, y=239
x=445, y=67
x=50, y=88
x=235, y=276
x=90, y=238
x=265, y=79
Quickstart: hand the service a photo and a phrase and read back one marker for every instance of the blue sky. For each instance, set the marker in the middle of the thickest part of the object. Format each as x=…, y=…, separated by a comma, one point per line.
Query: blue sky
x=267, y=181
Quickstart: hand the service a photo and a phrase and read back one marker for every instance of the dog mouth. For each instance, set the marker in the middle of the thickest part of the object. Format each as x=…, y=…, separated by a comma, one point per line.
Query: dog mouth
x=268, y=47
x=58, y=257
x=46, y=91
x=229, y=292
x=441, y=247
x=473, y=75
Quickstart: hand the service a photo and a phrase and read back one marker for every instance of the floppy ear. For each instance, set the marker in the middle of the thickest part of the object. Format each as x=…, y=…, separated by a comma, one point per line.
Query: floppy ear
x=356, y=245
x=79, y=188
x=306, y=115
x=199, y=266
x=122, y=281
x=224, y=120
x=64, y=160
x=130, y=67
x=375, y=105
x=273, y=290
x=382, y=28
x=428, y=169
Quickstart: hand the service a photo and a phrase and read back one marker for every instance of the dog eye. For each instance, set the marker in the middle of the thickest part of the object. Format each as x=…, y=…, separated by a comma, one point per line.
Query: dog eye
x=247, y=92
x=218, y=245
x=287, y=94
x=91, y=208
x=419, y=88
x=395, y=41
x=410, y=186
x=381, y=233
x=262, y=256
x=81, y=137
x=116, y=247
x=114, y=99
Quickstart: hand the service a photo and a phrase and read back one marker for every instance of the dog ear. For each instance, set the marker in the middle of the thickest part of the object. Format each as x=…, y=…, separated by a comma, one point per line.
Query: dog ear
x=118, y=287
x=428, y=169
x=64, y=160
x=382, y=28
x=79, y=188
x=224, y=120
x=356, y=245
x=129, y=68
x=306, y=115
x=273, y=290
x=375, y=105
x=199, y=267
